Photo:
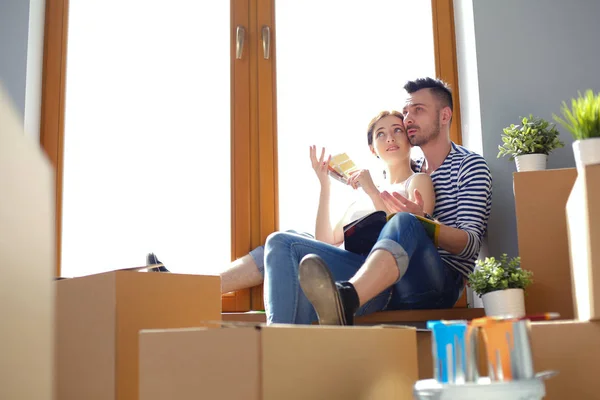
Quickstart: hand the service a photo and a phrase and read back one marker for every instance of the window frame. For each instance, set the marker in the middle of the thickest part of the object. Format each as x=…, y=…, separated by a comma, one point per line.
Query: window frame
x=254, y=173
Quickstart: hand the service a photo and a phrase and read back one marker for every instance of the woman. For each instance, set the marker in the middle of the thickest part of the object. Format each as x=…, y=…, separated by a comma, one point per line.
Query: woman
x=285, y=302
x=276, y=264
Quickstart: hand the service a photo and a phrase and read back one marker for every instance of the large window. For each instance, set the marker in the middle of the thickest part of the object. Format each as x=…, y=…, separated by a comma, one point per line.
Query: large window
x=182, y=128
x=332, y=79
x=147, y=136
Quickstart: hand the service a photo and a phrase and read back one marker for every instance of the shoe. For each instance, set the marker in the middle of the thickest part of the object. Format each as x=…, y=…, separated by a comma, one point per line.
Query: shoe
x=151, y=259
x=335, y=302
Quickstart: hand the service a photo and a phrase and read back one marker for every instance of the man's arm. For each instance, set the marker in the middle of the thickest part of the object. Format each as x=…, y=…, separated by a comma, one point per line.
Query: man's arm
x=473, y=209
x=452, y=240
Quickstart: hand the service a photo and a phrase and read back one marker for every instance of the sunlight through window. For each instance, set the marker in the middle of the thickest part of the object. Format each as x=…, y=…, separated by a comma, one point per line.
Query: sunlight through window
x=337, y=69
x=147, y=136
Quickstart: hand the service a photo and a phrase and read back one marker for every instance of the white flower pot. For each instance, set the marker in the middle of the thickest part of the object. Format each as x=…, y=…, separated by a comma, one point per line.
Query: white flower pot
x=531, y=162
x=504, y=302
x=586, y=152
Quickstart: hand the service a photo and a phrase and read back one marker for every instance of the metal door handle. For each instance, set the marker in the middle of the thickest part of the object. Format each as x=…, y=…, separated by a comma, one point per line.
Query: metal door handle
x=239, y=41
x=266, y=42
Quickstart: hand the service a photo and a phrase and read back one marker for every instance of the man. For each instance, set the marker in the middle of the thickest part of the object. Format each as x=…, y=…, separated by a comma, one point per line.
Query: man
x=404, y=257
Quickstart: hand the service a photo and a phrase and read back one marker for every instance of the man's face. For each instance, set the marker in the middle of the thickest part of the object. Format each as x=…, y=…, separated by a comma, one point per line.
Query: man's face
x=421, y=117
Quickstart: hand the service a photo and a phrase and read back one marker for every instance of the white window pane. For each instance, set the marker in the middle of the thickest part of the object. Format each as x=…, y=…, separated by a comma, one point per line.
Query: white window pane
x=332, y=79
x=147, y=136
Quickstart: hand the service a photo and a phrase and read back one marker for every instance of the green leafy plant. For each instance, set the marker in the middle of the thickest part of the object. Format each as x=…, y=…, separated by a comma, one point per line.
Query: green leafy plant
x=534, y=136
x=498, y=274
x=583, y=118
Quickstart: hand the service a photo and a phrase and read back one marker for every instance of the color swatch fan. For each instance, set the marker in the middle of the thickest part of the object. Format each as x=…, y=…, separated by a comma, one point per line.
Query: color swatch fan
x=341, y=167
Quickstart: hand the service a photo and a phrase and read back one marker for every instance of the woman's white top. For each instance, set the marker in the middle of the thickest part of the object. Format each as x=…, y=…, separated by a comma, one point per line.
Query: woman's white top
x=364, y=205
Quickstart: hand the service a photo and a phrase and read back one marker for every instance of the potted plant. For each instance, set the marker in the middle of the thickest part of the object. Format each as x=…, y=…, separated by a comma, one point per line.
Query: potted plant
x=501, y=284
x=529, y=143
x=583, y=121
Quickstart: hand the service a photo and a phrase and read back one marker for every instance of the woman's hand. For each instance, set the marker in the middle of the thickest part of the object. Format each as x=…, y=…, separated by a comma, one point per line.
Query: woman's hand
x=320, y=165
x=363, y=179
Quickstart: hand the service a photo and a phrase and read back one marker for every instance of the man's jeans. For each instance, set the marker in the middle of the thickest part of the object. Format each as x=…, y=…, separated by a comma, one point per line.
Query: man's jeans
x=425, y=282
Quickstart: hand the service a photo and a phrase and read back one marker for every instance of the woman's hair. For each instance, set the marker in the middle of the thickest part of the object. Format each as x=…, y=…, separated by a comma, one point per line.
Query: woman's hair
x=379, y=117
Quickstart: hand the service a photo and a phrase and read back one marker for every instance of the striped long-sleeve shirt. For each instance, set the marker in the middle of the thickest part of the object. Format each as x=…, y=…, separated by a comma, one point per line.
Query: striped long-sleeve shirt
x=463, y=189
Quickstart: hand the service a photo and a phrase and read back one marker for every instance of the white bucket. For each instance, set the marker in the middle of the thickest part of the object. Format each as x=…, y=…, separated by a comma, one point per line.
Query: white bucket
x=530, y=389
x=586, y=152
x=531, y=162
x=504, y=302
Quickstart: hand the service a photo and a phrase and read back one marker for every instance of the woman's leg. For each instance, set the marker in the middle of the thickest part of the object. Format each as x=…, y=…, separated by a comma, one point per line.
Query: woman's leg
x=285, y=301
x=247, y=271
x=244, y=272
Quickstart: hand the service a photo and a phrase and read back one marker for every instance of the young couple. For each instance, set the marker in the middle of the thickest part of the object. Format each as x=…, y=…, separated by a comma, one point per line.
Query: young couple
x=308, y=279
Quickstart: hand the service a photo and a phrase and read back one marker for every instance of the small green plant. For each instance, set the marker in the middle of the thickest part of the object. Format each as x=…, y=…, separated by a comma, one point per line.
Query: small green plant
x=498, y=274
x=534, y=136
x=583, y=118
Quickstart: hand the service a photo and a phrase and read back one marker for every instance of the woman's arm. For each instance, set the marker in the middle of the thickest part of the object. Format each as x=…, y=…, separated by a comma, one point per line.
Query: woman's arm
x=324, y=232
x=323, y=229
x=422, y=183
x=362, y=178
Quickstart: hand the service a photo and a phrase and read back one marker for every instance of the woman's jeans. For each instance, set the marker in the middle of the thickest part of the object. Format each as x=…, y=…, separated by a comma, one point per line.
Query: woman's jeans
x=425, y=282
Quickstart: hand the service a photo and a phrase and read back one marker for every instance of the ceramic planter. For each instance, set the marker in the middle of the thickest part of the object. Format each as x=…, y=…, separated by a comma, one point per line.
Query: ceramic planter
x=531, y=162
x=586, y=152
x=504, y=302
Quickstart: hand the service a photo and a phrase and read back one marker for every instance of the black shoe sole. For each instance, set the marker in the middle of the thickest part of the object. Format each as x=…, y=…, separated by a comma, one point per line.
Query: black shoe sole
x=319, y=287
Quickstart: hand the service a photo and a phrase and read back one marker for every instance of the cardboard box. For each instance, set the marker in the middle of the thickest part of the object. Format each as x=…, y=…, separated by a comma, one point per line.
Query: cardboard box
x=425, y=354
x=27, y=241
x=99, y=318
x=573, y=349
x=540, y=203
x=278, y=362
x=583, y=224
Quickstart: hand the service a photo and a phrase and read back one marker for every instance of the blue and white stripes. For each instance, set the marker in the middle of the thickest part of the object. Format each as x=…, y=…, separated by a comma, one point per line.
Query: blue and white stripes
x=463, y=187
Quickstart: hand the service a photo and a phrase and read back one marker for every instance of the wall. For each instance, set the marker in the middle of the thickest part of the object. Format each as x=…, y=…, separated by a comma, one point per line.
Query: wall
x=21, y=56
x=518, y=57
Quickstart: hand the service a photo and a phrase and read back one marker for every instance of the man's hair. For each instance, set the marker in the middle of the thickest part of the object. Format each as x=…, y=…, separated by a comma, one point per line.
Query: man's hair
x=439, y=88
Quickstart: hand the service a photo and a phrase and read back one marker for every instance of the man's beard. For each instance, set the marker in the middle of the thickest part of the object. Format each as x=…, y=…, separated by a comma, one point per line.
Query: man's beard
x=432, y=134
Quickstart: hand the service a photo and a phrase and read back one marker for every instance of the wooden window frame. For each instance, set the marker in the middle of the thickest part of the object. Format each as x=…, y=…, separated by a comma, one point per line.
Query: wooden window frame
x=254, y=136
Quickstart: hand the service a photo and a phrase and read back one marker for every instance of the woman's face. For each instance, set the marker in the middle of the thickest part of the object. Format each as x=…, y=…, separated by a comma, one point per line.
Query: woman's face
x=390, y=142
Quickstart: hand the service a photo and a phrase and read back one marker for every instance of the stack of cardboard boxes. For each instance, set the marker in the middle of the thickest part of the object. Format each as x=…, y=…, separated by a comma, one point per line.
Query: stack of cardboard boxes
x=564, y=254
x=127, y=335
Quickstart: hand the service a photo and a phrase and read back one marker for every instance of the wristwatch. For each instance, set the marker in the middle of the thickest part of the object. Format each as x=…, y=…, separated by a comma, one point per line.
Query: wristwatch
x=428, y=216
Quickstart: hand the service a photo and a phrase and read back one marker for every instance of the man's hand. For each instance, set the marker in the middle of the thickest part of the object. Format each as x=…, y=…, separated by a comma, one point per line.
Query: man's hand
x=395, y=202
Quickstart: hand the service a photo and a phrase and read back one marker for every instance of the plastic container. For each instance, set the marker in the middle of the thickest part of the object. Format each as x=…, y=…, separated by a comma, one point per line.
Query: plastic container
x=483, y=389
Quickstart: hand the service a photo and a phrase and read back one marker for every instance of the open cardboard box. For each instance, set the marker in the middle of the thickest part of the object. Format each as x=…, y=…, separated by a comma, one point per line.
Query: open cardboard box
x=278, y=362
x=573, y=349
x=583, y=224
x=540, y=203
x=99, y=317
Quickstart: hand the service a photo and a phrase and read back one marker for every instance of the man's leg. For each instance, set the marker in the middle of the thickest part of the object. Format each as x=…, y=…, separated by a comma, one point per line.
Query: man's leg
x=386, y=264
x=285, y=301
